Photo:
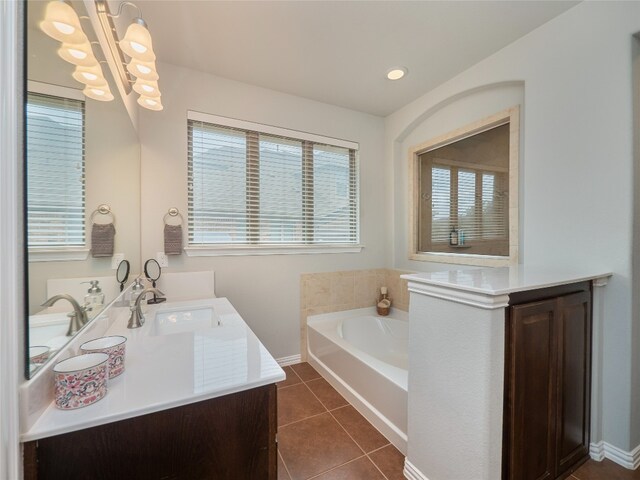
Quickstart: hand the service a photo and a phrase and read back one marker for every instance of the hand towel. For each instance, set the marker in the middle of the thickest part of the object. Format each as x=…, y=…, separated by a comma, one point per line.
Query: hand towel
x=173, y=239
x=102, y=236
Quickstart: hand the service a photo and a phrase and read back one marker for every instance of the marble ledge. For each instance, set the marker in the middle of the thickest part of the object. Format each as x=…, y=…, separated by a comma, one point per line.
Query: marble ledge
x=490, y=287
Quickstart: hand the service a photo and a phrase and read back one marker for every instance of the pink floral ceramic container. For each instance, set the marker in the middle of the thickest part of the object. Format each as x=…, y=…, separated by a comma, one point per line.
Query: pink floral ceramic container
x=38, y=354
x=80, y=380
x=114, y=346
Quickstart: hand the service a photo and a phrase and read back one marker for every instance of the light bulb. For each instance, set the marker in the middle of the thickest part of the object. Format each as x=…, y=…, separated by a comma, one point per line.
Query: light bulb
x=89, y=75
x=61, y=22
x=138, y=48
x=64, y=28
x=396, y=73
x=78, y=54
x=147, y=89
x=150, y=103
x=143, y=70
x=137, y=42
x=100, y=92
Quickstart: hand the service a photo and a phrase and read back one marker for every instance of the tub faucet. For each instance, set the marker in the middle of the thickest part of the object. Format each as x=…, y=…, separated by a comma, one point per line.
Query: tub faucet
x=136, y=320
x=77, y=318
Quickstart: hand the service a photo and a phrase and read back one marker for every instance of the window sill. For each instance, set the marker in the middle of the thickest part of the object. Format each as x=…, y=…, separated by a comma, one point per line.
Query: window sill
x=467, y=258
x=226, y=250
x=38, y=254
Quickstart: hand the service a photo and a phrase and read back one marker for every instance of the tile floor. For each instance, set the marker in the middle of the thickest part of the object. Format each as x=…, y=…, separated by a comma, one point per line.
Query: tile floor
x=605, y=470
x=321, y=436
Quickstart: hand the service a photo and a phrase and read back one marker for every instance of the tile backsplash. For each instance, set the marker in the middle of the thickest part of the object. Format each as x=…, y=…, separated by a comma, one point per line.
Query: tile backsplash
x=336, y=291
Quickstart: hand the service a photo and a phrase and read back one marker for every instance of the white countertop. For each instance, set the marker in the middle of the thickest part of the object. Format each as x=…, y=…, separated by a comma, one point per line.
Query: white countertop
x=505, y=280
x=166, y=371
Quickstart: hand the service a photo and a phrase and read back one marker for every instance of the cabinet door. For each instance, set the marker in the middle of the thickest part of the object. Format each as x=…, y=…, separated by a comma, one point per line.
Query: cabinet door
x=532, y=391
x=574, y=373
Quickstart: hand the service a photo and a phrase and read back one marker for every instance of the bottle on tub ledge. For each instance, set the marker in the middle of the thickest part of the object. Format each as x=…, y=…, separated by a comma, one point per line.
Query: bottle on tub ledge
x=453, y=236
x=384, y=303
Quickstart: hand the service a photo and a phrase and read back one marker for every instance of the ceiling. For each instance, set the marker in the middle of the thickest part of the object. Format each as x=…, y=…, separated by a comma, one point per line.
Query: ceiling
x=338, y=52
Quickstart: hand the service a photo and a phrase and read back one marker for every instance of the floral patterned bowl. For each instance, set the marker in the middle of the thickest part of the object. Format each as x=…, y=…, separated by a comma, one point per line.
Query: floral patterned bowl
x=38, y=354
x=114, y=346
x=80, y=380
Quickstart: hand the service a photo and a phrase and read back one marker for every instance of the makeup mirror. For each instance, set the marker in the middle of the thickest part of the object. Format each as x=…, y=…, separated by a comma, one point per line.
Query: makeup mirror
x=122, y=274
x=153, y=271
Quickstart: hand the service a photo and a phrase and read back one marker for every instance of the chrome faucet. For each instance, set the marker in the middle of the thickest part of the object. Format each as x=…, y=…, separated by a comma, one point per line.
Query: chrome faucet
x=136, y=320
x=77, y=318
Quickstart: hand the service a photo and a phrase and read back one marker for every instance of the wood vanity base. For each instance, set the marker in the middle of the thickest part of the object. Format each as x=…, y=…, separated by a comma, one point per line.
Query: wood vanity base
x=231, y=437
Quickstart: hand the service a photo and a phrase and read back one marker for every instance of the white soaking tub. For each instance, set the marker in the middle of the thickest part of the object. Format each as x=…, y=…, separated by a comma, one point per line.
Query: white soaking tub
x=364, y=357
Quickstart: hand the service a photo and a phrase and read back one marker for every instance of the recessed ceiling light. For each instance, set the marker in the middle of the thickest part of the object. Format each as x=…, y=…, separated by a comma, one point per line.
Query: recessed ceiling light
x=396, y=73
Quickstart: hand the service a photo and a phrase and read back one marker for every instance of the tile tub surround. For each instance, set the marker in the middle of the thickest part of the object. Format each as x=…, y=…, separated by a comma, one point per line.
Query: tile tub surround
x=166, y=371
x=321, y=436
x=347, y=290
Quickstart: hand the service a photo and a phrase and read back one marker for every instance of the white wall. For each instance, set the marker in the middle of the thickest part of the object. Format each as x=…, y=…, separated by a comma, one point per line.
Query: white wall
x=264, y=289
x=576, y=185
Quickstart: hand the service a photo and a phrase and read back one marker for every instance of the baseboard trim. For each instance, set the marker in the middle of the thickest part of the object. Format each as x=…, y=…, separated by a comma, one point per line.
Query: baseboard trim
x=290, y=360
x=596, y=451
x=411, y=472
x=601, y=450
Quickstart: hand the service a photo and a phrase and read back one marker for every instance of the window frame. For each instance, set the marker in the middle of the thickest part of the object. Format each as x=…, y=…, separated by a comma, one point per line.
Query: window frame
x=509, y=116
x=208, y=250
x=59, y=253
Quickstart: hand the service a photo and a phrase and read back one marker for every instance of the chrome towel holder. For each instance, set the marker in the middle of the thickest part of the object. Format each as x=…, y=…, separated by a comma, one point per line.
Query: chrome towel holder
x=103, y=209
x=173, y=212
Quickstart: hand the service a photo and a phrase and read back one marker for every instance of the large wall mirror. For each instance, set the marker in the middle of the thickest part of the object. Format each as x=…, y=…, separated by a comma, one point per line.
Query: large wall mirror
x=82, y=190
x=465, y=194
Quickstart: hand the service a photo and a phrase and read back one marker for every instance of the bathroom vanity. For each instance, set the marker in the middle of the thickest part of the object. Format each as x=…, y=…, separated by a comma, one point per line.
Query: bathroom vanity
x=197, y=400
x=500, y=372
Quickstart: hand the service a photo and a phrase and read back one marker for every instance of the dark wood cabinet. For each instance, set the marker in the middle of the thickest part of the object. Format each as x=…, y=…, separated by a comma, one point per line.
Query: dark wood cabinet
x=547, y=383
x=228, y=438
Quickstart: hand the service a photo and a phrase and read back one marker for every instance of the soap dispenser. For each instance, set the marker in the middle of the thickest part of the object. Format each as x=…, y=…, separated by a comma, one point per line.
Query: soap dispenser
x=136, y=290
x=94, y=299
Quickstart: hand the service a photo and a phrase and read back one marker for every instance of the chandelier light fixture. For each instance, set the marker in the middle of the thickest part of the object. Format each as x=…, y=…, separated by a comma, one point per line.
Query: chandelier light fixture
x=139, y=72
x=61, y=22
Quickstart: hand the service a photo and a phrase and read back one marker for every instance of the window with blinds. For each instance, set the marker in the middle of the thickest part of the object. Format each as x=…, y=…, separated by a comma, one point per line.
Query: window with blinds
x=469, y=200
x=252, y=187
x=55, y=171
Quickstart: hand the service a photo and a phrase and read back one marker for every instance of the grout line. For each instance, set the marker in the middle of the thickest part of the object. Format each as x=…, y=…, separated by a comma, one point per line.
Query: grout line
x=294, y=372
x=377, y=467
x=380, y=448
x=286, y=469
x=345, y=431
x=337, y=466
x=289, y=386
x=301, y=420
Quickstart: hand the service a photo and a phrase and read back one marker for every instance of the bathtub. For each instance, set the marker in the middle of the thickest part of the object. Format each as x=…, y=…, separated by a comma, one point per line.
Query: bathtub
x=364, y=357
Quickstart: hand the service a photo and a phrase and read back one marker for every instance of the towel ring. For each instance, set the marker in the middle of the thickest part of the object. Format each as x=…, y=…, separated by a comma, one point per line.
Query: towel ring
x=103, y=209
x=173, y=212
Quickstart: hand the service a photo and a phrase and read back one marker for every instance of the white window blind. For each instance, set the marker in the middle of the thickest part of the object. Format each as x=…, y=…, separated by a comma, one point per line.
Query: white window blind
x=55, y=171
x=253, y=188
x=469, y=200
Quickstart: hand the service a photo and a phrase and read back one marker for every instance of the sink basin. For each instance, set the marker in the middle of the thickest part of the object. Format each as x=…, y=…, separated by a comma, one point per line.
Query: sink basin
x=181, y=320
